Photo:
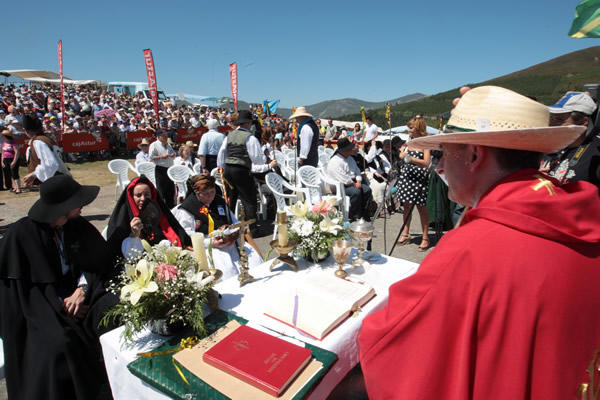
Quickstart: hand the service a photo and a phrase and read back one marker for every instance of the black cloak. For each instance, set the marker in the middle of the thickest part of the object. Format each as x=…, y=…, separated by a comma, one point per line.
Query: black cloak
x=50, y=355
x=123, y=213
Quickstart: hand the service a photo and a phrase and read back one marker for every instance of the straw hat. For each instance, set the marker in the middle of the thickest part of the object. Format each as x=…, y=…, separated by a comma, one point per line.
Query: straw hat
x=300, y=112
x=189, y=143
x=7, y=132
x=144, y=141
x=497, y=117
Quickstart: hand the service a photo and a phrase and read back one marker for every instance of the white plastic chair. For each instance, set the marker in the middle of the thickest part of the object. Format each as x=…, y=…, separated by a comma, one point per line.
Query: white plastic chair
x=324, y=160
x=147, y=168
x=340, y=193
x=121, y=169
x=197, y=169
x=277, y=184
x=179, y=174
x=309, y=177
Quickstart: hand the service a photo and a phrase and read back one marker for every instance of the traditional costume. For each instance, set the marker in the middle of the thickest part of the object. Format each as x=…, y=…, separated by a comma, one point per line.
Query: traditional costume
x=159, y=223
x=505, y=306
x=50, y=354
x=195, y=216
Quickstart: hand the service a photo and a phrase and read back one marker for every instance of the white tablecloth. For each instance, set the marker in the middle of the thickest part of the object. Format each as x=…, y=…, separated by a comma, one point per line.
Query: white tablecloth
x=249, y=302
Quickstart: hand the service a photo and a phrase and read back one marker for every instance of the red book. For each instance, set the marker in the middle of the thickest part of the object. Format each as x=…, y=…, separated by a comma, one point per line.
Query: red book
x=259, y=359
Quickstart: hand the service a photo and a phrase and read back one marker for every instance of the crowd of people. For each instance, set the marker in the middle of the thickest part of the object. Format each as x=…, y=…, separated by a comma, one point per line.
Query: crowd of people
x=503, y=300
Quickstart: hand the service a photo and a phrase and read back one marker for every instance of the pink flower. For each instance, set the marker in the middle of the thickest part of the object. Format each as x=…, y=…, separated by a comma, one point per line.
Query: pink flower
x=166, y=272
x=322, y=207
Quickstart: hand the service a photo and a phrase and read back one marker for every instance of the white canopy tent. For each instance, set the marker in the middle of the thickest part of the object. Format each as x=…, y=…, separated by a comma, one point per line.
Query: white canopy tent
x=48, y=77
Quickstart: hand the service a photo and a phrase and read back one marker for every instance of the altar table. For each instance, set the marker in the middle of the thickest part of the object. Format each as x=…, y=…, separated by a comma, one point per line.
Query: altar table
x=249, y=302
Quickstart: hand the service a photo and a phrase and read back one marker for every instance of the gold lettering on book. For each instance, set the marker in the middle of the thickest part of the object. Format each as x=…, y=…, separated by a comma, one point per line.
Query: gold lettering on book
x=544, y=183
x=240, y=345
x=590, y=390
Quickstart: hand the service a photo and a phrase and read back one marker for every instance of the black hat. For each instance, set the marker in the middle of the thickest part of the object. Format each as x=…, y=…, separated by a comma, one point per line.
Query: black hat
x=32, y=123
x=59, y=195
x=244, y=116
x=344, y=145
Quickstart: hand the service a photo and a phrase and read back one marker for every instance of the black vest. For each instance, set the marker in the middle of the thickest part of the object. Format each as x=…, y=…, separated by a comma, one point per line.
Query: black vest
x=237, y=152
x=313, y=153
x=217, y=211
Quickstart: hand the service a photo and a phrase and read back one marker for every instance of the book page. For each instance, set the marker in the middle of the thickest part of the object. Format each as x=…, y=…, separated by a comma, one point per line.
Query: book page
x=322, y=303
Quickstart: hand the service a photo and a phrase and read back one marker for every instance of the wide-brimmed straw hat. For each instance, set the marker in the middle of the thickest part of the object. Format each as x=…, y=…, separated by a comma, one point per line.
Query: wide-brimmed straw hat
x=59, y=195
x=144, y=141
x=189, y=143
x=300, y=112
x=497, y=117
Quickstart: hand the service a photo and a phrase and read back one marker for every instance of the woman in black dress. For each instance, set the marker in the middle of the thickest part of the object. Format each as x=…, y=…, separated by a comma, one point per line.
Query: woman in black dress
x=414, y=182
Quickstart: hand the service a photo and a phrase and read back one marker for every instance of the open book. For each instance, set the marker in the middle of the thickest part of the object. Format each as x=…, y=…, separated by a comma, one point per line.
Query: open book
x=318, y=304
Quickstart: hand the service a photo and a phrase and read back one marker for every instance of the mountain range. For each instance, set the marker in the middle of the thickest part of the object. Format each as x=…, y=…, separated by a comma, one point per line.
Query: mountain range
x=546, y=82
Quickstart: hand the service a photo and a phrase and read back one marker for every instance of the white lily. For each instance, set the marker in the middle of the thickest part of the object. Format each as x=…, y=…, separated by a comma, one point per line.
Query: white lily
x=198, y=279
x=330, y=225
x=307, y=228
x=300, y=209
x=142, y=282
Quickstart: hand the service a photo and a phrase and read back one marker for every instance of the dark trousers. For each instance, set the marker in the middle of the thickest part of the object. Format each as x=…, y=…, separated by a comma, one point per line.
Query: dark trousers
x=359, y=200
x=211, y=162
x=165, y=186
x=243, y=187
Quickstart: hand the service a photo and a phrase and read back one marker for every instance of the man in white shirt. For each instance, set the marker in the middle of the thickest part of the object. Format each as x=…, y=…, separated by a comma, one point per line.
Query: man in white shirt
x=308, y=138
x=143, y=155
x=343, y=168
x=241, y=155
x=371, y=131
x=210, y=143
x=43, y=162
x=162, y=154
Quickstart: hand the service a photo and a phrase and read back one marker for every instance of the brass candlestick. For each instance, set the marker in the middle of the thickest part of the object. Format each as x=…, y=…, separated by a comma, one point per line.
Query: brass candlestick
x=341, y=252
x=284, y=257
x=244, y=277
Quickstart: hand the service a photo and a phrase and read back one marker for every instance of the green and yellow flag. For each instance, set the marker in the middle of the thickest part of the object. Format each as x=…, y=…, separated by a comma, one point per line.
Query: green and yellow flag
x=387, y=111
x=362, y=112
x=587, y=20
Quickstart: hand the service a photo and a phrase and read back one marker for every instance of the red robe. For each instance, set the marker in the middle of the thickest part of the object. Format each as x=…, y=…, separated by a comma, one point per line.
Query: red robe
x=505, y=307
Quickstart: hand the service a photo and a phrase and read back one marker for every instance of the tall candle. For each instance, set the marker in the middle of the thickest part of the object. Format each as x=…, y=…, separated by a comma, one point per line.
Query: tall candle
x=199, y=250
x=282, y=232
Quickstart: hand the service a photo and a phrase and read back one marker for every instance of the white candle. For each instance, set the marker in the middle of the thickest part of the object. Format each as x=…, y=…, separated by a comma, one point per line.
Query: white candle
x=282, y=232
x=200, y=251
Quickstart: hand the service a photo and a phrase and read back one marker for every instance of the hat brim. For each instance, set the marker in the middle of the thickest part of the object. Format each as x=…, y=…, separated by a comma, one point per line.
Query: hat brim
x=541, y=140
x=300, y=114
x=48, y=213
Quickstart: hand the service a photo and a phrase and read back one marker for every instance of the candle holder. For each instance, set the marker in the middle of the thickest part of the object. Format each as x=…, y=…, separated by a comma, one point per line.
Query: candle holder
x=362, y=231
x=244, y=277
x=341, y=252
x=284, y=257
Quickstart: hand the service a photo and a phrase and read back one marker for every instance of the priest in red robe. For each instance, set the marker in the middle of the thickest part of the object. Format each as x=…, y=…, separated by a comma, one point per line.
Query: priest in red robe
x=506, y=305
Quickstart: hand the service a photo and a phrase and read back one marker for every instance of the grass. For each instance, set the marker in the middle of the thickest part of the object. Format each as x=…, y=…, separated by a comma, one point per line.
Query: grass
x=86, y=173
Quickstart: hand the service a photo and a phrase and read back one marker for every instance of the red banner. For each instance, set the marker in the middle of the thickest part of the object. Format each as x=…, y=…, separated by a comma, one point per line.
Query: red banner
x=151, y=72
x=183, y=135
x=80, y=142
x=233, y=75
x=62, y=86
x=134, y=138
x=224, y=128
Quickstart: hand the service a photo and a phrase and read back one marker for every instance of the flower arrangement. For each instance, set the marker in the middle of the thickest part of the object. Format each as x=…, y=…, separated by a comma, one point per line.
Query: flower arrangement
x=162, y=283
x=314, y=227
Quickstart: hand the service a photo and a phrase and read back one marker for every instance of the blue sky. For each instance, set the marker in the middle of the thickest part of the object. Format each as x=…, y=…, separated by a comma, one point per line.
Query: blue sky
x=299, y=52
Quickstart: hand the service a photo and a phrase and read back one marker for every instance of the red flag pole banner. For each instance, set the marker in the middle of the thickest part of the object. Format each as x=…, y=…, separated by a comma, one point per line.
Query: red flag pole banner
x=62, y=87
x=151, y=72
x=233, y=74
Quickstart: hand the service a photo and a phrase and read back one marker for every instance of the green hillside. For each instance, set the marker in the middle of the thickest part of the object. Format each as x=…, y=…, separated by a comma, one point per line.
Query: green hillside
x=546, y=81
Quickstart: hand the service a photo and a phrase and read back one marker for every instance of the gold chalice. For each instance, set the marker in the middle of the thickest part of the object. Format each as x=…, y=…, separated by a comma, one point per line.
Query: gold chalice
x=341, y=253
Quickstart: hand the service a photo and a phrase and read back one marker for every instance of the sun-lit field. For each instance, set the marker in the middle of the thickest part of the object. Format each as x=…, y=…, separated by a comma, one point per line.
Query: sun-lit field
x=86, y=173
